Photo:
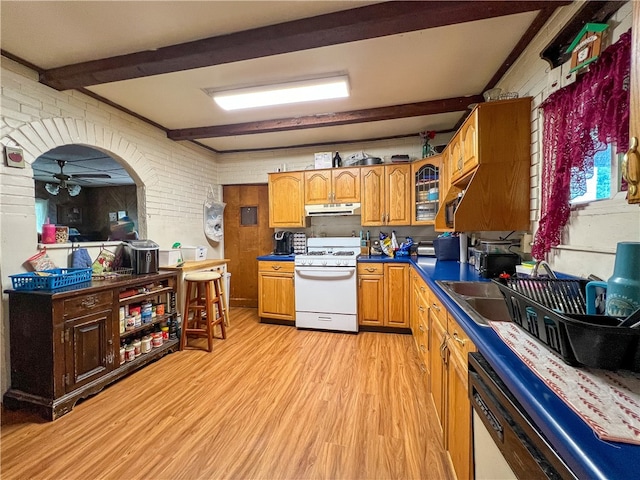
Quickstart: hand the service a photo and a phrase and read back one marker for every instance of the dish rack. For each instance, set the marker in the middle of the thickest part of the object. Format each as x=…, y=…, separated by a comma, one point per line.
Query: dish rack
x=50, y=279
x=553, y=311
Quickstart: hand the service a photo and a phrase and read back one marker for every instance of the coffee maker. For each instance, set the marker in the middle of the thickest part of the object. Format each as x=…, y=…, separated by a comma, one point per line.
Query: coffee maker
x=282, y=243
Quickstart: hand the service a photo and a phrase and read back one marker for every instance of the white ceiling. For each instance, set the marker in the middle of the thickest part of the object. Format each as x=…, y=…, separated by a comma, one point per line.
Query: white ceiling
x=456, y=60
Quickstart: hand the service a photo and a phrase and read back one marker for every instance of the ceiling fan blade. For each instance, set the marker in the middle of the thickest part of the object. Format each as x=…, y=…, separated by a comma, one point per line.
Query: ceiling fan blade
x=91, y=175
x=52, y=188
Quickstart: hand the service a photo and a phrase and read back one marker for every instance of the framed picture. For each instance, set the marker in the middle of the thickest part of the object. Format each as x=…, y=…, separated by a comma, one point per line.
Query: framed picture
x=14, y=157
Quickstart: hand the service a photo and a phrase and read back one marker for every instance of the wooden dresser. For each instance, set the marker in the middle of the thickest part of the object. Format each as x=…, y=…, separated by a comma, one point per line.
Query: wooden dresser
x=65, y=343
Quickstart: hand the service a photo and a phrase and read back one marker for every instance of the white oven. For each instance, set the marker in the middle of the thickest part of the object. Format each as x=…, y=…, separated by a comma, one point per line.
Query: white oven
x=326, y=284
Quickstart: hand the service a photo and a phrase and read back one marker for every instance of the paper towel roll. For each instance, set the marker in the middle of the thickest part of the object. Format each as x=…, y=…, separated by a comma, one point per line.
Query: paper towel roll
x=463, y=247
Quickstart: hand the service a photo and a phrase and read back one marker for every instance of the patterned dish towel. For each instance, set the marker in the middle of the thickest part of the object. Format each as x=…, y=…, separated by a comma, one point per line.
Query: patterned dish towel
x=609, y=402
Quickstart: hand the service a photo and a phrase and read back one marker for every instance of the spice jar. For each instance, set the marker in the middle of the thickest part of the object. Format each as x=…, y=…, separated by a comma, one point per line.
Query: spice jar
x=122, y=355
x=165, y=333
x=130, y=322
x=160, y=309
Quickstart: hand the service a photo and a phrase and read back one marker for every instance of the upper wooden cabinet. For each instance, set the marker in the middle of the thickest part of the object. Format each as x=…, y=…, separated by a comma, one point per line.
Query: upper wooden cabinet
x=425, y=194
x=386, y=195
x=488, y=164
x=341, y=185
x=286, y=200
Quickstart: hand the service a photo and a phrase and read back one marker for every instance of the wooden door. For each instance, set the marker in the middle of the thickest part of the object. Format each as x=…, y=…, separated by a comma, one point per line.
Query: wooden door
x=633, y=158
x=373, y=195
x=317, y=187
x=398, y=194
x=89, y=349
x=396, y=281
x=246, y=236
x=286, y=200
x=346, y=185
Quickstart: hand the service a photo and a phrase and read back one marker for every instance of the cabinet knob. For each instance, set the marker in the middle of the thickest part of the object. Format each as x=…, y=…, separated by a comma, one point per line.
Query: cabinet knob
x=276, y=267
x=461, y=341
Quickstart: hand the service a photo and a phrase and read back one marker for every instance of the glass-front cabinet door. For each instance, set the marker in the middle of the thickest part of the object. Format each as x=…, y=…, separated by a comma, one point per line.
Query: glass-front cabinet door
x=426, y=191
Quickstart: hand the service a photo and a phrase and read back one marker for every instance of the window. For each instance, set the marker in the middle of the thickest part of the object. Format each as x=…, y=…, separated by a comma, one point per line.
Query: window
x=604, y=182
x=42, y=209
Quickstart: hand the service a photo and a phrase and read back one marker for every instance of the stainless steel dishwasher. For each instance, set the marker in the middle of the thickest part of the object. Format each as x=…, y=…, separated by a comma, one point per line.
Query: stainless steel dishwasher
x=507, y=444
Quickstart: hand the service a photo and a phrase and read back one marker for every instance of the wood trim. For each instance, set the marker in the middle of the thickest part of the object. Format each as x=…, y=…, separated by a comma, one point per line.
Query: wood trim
x=382, y=19
x=431, y=107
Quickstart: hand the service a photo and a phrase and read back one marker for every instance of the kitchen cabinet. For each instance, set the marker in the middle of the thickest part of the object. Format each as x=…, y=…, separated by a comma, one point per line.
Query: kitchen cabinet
x=488, y=163
x=383, y=289
x=276, y=294
x=425, y=194
x=65, y=343
x=339, y=185
x=448, y=351
x=371, y=294
x=419, y=319
x=386, y=195
x=286, y=200
x=632, y=167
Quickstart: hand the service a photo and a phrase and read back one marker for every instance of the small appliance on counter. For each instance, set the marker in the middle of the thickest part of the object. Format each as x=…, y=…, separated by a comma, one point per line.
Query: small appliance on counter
x=283, y=243
x=493, y=257
x=141, y=256
x=425, y=248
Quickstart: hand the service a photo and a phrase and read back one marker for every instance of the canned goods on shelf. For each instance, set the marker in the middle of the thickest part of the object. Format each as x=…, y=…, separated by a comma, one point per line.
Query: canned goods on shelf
x=146, y=344
x=160, y=309
x=122, y=355
x=130, y=322
x=129, y=353
x=156, y=339
x=165, y=333
x=137, y=347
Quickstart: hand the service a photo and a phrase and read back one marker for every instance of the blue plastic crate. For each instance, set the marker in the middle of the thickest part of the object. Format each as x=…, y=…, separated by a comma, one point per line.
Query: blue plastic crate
x=50, y=279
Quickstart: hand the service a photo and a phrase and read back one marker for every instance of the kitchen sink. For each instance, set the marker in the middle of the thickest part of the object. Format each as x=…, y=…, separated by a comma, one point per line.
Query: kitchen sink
x=482, y=301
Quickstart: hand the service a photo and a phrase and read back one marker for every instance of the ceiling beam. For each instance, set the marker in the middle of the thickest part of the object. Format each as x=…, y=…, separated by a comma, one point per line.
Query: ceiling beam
x=378, y=20
x=432, y=107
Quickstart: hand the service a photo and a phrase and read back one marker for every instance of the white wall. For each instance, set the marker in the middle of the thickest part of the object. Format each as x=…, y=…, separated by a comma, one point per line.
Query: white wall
x=593, y=230
x=172, y=178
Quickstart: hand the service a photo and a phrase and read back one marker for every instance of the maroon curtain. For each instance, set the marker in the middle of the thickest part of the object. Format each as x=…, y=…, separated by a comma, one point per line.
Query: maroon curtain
x=579, y=120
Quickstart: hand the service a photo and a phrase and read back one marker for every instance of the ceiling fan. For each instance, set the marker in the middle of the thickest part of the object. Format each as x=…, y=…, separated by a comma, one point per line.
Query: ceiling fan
x=73, y=189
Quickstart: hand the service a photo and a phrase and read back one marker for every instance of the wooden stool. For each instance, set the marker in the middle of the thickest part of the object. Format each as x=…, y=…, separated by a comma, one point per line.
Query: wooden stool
x=220, y=285
x=206, y=307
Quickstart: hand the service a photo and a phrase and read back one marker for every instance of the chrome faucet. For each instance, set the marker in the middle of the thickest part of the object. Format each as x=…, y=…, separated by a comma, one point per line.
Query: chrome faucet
x=545, y=265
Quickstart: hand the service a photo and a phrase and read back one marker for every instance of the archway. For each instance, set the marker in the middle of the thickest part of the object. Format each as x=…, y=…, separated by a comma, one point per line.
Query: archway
x=84, y=189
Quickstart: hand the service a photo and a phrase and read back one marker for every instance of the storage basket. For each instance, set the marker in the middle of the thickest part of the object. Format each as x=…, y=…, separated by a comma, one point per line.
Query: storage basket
x=552, y=311
x=50, y=279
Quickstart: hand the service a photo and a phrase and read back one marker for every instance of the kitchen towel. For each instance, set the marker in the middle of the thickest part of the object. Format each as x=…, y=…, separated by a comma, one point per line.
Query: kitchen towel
x=609, y=402
x=81, y=258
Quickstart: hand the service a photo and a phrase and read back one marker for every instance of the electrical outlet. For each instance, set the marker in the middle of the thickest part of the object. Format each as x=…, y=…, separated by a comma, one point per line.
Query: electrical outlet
x=113, y=216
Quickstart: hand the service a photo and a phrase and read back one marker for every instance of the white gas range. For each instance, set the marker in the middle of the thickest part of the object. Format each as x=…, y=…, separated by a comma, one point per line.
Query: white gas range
x=326, y=284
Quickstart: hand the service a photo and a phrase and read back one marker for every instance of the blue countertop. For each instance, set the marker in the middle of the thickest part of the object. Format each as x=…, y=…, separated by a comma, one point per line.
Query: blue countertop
x=585, y=454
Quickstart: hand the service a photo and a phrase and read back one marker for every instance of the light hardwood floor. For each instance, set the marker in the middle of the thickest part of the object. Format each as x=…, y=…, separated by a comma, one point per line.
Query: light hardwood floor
x=270, y=402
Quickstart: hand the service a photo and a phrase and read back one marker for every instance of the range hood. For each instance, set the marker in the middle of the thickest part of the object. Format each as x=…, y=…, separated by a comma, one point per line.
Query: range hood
x=332, y=209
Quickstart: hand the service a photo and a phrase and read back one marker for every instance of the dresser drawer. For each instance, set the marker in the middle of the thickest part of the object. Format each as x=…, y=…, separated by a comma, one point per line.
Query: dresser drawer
x=370, y=269
x=84, y=304
x=283, y=267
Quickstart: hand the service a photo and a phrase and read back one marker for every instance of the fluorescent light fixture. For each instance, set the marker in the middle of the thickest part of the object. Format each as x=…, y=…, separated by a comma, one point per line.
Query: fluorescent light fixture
x=292, y=92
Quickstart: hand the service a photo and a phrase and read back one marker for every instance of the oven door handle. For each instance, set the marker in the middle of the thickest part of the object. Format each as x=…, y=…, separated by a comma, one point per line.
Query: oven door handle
x=325, y=273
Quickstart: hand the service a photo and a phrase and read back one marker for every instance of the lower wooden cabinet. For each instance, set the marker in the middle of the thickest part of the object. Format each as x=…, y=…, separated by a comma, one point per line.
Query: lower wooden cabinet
x=383, y=290
x=276, y=294
x=447, y=349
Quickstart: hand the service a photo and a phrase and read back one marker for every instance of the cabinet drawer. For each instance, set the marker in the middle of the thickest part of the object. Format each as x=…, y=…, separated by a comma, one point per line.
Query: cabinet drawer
x=438, y=310
x=81, y=305
x=285, y=267
x=370, y=269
